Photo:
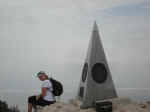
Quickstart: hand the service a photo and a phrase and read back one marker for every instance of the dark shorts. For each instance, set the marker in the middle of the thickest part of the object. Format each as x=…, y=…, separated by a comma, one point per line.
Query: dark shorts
x=40, y=101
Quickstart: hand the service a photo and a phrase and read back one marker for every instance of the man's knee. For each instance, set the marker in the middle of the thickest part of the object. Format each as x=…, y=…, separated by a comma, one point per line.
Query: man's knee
x=31, y=99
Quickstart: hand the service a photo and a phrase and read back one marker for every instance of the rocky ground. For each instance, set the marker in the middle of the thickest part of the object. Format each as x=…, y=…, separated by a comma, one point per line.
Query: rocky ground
x=119, y=105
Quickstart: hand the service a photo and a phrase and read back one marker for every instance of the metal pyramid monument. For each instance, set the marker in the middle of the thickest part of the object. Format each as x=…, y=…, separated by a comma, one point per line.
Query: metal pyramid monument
x=96, y=82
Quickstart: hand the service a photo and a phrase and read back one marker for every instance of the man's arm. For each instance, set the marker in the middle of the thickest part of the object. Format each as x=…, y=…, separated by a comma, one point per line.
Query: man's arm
x=43, y=93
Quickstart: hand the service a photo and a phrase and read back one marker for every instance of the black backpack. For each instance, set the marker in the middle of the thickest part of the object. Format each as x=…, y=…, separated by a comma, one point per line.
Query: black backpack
x=57, y=87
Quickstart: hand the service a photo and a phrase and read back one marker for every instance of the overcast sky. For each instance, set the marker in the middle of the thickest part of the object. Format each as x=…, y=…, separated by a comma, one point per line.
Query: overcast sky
x=53, y=35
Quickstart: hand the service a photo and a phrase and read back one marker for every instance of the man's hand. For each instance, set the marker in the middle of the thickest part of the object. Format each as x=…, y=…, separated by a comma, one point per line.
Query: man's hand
x=37, y=97
x=43, y=92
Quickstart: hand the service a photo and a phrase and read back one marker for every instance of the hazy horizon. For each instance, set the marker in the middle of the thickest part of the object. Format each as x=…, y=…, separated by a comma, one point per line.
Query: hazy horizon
x=19, y=98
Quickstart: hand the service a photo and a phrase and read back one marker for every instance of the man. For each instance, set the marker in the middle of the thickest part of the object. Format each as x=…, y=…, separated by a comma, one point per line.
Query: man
x=46, y=97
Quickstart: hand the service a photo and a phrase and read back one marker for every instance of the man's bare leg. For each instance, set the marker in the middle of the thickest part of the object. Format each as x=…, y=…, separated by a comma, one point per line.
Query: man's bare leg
x=29, y=107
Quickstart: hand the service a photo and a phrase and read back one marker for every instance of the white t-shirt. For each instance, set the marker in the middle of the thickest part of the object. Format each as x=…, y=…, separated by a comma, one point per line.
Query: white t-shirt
x=49, y=95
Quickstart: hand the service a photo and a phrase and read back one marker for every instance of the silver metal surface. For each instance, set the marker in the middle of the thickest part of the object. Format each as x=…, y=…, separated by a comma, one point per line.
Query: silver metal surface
x=96, y=81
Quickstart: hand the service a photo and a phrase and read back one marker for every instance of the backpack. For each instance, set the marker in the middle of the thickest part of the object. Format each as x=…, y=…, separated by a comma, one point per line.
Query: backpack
x=57, y=87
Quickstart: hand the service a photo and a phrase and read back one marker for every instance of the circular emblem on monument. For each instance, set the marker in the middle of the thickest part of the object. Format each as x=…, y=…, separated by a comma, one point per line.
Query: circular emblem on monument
x=84, y=72
x=99, y=73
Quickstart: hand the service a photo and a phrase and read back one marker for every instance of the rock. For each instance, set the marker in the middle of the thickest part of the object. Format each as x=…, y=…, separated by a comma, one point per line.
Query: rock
x=142, y=105
x=119, y=105
x=148, y=102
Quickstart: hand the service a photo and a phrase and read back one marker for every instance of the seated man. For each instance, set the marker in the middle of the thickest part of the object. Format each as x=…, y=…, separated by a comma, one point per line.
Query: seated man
x=46, y=97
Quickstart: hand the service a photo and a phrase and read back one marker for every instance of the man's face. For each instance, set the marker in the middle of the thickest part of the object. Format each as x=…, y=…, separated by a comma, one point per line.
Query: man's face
x=42, y=77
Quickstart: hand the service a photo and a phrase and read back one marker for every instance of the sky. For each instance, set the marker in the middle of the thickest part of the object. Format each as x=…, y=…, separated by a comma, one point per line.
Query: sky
x=54, y=35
